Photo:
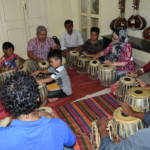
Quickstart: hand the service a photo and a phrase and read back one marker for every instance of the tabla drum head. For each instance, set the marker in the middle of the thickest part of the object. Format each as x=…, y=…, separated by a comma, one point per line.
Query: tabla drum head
x=139, y=92
x=74, y=53
x=94, y=63
x=121, y=117
x=127, y=80
x=43, y=65
x=107, y=67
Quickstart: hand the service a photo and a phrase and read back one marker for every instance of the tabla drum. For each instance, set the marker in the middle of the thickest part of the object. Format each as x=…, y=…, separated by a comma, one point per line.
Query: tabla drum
x=5, y=122
x=138, y=97
x=82, y=64
x=125, y=84
x=107, y=74
x=95, y=136
x=43, y=94
x=93, y=69
x=47, y=110
x=73, y=58
x=64, y=62
x=5, y=75
x=124, y=125
x=30, y=66
x=43, y=65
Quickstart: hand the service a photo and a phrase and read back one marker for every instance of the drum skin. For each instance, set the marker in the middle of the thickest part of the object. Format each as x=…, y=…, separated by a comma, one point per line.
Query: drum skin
x=146, y=33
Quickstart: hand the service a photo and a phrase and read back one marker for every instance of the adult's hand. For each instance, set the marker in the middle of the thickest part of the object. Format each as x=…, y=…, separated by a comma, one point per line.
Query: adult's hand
x=102, y=125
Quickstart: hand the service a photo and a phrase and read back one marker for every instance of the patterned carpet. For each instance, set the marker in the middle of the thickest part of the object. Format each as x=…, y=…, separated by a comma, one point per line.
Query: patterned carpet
x=79, y=116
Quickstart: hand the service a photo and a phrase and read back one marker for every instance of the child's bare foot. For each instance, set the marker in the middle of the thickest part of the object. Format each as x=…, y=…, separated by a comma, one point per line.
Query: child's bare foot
x=52, y=99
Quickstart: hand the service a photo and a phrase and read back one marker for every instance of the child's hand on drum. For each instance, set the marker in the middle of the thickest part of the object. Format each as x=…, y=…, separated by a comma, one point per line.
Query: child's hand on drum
x=126, y=108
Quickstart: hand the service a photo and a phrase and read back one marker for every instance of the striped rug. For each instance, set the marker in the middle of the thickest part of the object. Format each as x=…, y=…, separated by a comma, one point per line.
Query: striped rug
x=79, y=116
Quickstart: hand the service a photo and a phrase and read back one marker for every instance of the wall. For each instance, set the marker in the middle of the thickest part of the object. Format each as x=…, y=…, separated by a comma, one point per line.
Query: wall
x=108, y=11
x=143, y=11
x=58, y=12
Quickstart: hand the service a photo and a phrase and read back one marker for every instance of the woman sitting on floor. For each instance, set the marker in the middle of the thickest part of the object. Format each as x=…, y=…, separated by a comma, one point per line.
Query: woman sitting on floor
x=119, y=53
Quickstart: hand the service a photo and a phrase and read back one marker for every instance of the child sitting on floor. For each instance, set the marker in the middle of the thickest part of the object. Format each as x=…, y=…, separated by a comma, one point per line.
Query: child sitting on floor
x=93, y=46
x=7, y=62
x=59, y=74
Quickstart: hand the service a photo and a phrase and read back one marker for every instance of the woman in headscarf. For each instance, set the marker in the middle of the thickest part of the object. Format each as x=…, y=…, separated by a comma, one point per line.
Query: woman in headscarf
x=119, y=52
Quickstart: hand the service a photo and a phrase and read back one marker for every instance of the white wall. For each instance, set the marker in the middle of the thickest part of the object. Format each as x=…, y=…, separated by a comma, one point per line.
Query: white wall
x=58, y=12
x=108, y=11
x=143, y=11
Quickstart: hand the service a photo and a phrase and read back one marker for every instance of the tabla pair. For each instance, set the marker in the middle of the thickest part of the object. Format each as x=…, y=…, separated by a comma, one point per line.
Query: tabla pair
x=119, y=127
x=136, y=97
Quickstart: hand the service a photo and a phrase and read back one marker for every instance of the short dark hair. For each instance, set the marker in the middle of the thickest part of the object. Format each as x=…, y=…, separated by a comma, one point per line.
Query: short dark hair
x=56, y=54
x=19, y=94
x=95, y=29
x=68, y=22
x=7, y=45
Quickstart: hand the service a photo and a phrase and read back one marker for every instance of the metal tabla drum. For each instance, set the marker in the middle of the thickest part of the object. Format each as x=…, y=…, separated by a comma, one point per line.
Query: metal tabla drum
x=95, y=136
x=124, y=125
x=138, y=97
x=47, y=110
x=30, y=66
x=43, y=65
x=64, y=62
x=124, y=85
x=93, y=69
x=82, y=64
x=5, y=75
x=73, y=58
x=5, y=122
x=43, y=94
x=107, y=74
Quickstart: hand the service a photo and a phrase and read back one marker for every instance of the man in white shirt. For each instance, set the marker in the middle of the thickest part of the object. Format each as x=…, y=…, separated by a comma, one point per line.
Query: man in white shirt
x=70, y=39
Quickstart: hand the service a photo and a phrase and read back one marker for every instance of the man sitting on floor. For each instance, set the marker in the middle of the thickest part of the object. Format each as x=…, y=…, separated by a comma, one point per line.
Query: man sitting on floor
x=29, y=131
x=139, y=141
x=71, y=39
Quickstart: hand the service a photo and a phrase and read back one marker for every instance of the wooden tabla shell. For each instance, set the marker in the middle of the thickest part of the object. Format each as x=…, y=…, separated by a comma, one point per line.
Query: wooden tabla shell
x=107, y=74
x=93, y=69
x=43, y=65
x=43, y=94
x=124, y=85
x=82, y=64
x=5, y=75
x=29, y=66
x=95, y=136
x=138, y=97
x=125, y=126
x=73, y=58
